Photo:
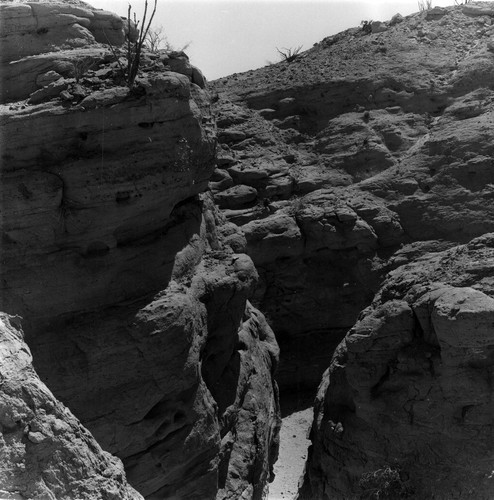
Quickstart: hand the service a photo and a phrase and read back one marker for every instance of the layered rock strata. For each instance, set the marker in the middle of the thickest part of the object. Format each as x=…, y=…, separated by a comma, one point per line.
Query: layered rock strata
x=365, y=151
x=409, y=388
x=134, y=304
x=180, y=385
x=46, y=44
x=45, y=452
x=44, y=41
x=86, y=189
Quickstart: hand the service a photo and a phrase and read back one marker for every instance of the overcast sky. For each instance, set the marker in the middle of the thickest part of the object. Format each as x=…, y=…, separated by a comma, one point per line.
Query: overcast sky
x=231, y=36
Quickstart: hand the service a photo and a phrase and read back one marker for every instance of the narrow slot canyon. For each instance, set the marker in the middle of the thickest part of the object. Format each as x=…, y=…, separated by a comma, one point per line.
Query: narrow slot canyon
x=276, y=285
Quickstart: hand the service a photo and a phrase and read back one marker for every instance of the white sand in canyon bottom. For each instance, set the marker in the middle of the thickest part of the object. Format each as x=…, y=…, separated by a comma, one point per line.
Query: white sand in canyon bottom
x=293, y=452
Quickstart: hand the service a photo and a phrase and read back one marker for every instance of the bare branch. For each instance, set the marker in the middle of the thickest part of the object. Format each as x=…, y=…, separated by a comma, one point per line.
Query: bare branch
x=115, y=55
x=290, y=54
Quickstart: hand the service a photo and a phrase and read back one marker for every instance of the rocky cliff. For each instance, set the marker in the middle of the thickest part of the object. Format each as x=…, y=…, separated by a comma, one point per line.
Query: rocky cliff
x=355, y=187
x=409, y=392
x=46, y=452
x=362, y=145
x=134, y=305
x=371, y=150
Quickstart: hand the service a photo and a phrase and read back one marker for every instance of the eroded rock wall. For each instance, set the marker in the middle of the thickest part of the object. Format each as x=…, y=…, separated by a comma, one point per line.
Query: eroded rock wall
x=45, y=451
x=409, y=388
x=89, y=191
x=371, y=150
x=44, y=41
x=315, y=249
x=134, y=304
x=179, y=386
x=359, y=155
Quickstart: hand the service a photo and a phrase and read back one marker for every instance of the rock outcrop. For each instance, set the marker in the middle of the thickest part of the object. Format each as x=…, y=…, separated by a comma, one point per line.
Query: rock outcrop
x=46, y=45
x=354, y=152
x=45, y=452
x=367, y=156
x=134, y=303
x=84, y=187
x=370, y=151
x=409, y=389
x=44, y=41
x=180, y=385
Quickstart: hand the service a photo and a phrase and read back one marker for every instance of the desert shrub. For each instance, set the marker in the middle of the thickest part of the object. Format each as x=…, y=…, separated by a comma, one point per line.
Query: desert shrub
x=384, y=484
x=156, y=41
x=289, y=55
x=82, y=66
x=134, y=47
x=425, y=5
x=366, y=26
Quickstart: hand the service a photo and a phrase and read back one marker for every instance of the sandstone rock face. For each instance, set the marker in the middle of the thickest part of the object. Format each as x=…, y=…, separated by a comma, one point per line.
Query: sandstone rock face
x=365, y=152
x=409, y=388
x=369, y=152
x=45, y=451
x=65, y=38
x=134, y=290
x=36, y=27
x=319, y=252
x=85, y=187
x=51, y=41
x=189, y=389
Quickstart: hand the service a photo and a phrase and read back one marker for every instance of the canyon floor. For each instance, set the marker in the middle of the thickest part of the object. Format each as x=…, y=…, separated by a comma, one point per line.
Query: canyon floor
x=294, y=443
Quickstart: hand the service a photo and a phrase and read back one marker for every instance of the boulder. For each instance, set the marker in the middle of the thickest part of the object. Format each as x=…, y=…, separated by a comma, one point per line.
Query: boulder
x=435, y=13
x=236, y=196
x=48, y=92
x=198, y=78
x=46, y=78
x=378, y=27
x=396, y=19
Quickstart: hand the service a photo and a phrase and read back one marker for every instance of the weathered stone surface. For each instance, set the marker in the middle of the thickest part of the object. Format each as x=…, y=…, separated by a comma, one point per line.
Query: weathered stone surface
x=89, y=164
x=273, y=237
x=178, y=63
x=220, y=180
x=37, y=27
x=396, y=19
x=375, y=150
x=409, y=387
x=236, y=196
x=479, y=10
x=389, y=144
x=189, y=388
x=378, y=27
x=69, y=38
x=45, y=452
x=435, y=13
x=47, y=78
x=133, y=289
x=48, y=91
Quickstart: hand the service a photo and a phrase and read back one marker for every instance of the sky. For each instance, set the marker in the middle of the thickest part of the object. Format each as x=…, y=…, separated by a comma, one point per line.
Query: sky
x=232, y=36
